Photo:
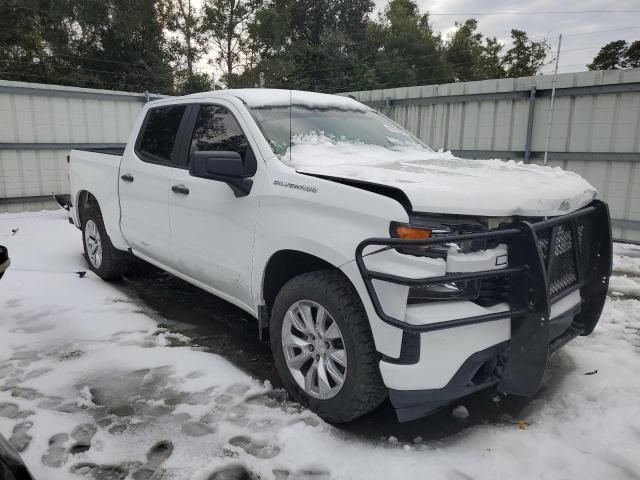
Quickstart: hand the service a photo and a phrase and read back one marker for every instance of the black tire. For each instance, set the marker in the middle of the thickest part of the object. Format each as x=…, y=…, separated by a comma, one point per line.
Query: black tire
x=114, y=262
x=363, y=389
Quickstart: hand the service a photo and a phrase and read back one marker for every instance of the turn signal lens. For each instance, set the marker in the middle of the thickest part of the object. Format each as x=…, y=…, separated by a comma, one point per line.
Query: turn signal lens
x=412, y=233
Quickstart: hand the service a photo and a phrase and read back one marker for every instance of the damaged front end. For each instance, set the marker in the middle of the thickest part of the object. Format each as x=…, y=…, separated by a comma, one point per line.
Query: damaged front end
x=552, y=288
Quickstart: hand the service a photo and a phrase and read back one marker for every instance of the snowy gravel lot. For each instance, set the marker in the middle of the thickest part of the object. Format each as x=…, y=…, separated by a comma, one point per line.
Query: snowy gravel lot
x=91, y=386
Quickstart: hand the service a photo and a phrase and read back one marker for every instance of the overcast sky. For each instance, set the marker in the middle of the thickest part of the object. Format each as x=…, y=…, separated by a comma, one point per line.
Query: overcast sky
x=579, y=45
x=583, y=34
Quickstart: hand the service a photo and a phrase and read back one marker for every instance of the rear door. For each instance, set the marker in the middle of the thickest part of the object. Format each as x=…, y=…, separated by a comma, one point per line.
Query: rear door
x=212, y=230
x=145, y=174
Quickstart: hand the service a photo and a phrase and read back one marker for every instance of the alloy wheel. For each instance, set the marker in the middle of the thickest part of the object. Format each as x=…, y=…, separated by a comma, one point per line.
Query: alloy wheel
x=93, y=243
x=314, y=349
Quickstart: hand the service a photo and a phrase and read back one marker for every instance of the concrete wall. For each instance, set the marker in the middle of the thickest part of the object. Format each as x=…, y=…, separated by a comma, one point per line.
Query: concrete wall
x=595, y=130
x=39, y=124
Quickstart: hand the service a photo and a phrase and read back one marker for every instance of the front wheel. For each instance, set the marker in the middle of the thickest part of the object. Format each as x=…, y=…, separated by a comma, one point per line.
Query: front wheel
x=323, y=347
x=103, y=258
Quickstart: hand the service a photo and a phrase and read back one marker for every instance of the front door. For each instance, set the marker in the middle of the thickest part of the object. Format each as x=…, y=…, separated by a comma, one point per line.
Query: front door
x=212, y=230
x=144, y=183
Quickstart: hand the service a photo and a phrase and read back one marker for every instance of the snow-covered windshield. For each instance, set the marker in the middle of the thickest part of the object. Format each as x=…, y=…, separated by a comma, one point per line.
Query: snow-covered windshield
x=304, y=125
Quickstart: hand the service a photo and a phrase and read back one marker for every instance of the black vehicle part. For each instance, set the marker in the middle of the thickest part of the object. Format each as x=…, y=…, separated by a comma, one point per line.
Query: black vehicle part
x=548, y=260
x=409, y=350
x=481, y=370
x=394, y=193
x=224, y=167
x=63, y=200
x=117, y=151
x=476, y=373
x=4, y=260
x=11, y=465
x=114, y=262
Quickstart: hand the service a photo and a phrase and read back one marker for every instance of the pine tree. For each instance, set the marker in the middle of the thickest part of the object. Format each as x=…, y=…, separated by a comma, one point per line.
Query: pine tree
x=633, y=55
x=227, y=25
x=617, y=55
x=409, y=52
x=187, y=45
x=525, y=57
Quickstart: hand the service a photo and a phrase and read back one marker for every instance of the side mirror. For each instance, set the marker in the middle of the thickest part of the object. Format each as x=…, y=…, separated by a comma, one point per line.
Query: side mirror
x=221, y=166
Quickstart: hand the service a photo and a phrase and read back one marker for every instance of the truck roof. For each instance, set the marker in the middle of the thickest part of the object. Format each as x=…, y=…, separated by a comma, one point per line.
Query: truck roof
x=273, y=97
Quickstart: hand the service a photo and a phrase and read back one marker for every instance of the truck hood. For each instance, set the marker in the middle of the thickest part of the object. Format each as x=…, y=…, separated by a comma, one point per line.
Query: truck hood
x=443, y=183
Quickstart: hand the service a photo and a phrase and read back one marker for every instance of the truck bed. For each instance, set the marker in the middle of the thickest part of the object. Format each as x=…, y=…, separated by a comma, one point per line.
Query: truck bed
x=119, y=151
x=96, y=170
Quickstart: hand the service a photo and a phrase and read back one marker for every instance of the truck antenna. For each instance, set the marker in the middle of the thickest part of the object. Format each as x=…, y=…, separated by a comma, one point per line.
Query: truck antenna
x=290, y=125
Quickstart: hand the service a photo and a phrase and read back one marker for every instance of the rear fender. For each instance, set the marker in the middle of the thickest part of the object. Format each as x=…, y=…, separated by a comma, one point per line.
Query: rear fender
x=97, y=174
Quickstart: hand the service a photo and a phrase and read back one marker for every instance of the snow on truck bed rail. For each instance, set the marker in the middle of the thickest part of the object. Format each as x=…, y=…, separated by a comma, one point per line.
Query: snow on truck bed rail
x=92, y=387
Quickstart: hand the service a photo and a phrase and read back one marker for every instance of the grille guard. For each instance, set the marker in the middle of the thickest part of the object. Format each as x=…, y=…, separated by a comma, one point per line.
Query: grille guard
x=528, y=274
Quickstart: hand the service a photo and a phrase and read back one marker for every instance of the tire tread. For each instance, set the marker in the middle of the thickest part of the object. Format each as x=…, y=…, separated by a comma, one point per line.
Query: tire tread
x=115, y=262
x=369, y=391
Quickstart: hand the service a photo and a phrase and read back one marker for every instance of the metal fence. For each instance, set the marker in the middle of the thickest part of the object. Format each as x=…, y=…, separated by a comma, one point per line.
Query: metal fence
x=595, y=129
x=39, y=124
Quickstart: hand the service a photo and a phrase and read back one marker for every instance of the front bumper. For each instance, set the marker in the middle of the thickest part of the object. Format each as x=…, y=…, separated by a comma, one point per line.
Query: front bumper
x=550, y=262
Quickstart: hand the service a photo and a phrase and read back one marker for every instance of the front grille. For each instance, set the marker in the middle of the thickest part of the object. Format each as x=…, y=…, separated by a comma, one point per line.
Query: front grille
x=566, y=266
x=562, y=266
x=586, y=235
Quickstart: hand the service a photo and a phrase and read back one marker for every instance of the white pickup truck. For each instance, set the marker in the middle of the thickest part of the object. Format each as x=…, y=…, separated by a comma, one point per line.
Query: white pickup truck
x=377, y=266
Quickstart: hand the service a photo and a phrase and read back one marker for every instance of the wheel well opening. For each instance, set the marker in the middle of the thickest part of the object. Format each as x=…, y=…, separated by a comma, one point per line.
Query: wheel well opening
x=285, y=265
x=85, y=200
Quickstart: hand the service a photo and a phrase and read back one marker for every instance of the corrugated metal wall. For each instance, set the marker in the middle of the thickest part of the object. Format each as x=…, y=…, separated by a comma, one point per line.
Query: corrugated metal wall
x=595, y=129
x=39, y=124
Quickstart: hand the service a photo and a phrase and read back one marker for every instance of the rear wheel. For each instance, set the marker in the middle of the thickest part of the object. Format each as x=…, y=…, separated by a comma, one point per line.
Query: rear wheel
x=323, y=347
x=103, y=258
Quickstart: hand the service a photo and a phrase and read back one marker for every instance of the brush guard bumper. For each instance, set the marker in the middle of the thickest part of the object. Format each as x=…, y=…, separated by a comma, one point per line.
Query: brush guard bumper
x=547, y=261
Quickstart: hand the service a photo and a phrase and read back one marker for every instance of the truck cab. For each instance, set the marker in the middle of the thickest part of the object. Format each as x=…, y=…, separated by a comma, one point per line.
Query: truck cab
x=376, y=266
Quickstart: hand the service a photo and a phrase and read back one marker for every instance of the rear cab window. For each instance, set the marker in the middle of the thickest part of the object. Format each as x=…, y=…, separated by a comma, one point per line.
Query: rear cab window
x=157, y=140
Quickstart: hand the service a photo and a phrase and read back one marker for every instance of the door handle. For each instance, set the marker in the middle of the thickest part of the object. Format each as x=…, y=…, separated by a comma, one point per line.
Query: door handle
x=127, y=177
x=181, y=189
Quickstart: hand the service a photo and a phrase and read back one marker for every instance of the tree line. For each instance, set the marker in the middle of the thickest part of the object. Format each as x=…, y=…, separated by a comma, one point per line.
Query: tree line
x=321, y=45
x=617, y=55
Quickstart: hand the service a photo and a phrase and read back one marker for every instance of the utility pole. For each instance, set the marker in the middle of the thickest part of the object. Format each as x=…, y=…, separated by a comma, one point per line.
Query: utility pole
x=261, y=79
x=553, y=98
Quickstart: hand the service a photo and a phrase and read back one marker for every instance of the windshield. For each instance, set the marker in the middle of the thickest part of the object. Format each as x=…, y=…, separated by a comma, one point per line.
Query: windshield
x=305, y=124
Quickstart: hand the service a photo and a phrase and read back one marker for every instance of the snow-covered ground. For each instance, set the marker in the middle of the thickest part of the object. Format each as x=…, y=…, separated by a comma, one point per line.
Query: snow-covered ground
x=91, y=386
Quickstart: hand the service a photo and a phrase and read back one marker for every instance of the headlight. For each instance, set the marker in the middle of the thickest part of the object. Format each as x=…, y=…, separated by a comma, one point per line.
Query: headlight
x=424, y=227
x=412, y=232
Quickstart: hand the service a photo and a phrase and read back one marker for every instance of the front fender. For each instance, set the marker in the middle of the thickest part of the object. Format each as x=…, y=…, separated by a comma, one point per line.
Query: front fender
x=325, y=219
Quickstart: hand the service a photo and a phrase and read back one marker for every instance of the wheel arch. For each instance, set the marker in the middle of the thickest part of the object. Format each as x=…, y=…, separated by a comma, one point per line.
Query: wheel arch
x=111, y=217
x=84, y=200
x=286, y=264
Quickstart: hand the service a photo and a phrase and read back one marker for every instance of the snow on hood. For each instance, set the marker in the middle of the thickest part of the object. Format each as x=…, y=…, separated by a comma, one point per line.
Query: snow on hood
x=439, y=182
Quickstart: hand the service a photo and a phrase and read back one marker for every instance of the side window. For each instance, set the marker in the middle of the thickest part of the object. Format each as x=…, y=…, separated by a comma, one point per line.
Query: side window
x=160, y=131
x=216, y=129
